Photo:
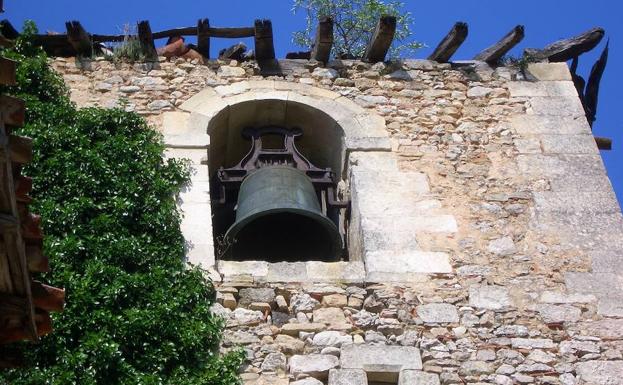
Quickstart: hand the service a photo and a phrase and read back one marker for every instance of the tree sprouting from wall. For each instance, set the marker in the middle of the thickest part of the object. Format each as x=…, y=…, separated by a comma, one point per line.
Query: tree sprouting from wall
x=354, y=23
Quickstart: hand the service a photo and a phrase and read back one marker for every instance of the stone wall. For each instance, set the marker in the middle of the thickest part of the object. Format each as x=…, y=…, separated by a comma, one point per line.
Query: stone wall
x=491, y=254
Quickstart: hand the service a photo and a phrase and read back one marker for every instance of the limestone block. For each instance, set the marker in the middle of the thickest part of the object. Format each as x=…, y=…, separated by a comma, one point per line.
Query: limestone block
x=373, y=161
x=562, y=298
x=607, y=328
x=346, y=272
x=553, y=88
x=347, y=377
x=611, y=306
x=381, y=363
x=559, y=106
x=489, y=297
x=294, y=329
x=175, y=122
x=600, y=372
x=571, y=202
x=367, y=144
x=532, y=343
x=195, y=191
x=421, y=262
x=314, y=365
x=416, y=377
x=200, y=254
x=256, y=294
x=574, y=182
x=549, y=71
x=559, y=313
x=287, y=272
x=232, y=89
x=247, y=270
x=569, y=144
x=195, y=155
x=550, y=165
x=545, y=124
x=527, y=145
x=438, y=313
x=201, y=100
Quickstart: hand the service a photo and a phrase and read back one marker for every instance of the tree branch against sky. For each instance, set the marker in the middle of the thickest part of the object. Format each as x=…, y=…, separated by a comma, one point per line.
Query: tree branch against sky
x=354, y=23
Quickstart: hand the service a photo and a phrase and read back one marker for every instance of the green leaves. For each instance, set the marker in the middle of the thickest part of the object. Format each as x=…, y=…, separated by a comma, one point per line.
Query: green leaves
x=135, y=314
x=354, y=23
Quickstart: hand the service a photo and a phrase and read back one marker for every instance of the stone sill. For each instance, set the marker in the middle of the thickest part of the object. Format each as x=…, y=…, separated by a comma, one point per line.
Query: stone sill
x=291, y=272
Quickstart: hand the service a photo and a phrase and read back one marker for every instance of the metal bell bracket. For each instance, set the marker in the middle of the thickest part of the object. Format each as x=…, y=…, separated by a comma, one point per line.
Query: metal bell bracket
x=258, y=157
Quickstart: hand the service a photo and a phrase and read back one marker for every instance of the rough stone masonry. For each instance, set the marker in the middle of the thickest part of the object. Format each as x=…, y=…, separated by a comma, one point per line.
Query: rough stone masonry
x=501, y=263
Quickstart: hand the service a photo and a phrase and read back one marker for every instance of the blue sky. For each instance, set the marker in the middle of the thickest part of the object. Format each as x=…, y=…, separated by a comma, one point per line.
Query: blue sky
x=545, y=21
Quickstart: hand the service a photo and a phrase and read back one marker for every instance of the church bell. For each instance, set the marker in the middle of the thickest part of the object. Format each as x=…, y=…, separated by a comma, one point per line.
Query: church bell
x=286, y=208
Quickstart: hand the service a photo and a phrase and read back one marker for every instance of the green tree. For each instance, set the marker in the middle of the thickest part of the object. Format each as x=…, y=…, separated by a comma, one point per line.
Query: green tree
x=135, y=313
x=354, y=22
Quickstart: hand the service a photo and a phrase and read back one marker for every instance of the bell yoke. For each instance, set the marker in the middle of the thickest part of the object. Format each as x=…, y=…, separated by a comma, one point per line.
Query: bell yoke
x=286, y=208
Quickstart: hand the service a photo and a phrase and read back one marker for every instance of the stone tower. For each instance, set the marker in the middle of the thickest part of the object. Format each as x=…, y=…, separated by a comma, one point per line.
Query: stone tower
x=484, y=238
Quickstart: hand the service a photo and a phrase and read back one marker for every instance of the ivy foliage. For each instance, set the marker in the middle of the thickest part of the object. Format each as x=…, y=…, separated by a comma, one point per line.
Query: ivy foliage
x=354, y=22
x=135, y=314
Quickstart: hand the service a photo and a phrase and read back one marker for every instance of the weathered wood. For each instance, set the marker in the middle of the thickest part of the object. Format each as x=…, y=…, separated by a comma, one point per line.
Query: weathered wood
x=299, y=55
x=7, y=30
x=236, y=32
x=79, y=38
x=450, y=43
x=7, y=71
x=37, y=261
x=203, y=37
x=381, y=40
x=47, y=297
x=567, y=49
x=264, y=46
x=493, y=54
x=321, y=49
x=603, y=143
x=13, y=110
x=146, y=40
x=591, y=95
x=20, y=148
x=23, y=187
x=31, y=227
x=578, y=81
x=235, y=52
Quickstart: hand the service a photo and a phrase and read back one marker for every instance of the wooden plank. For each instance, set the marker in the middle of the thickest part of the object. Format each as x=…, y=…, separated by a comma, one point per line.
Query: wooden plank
x=23, y=187
x=450, y=43
x=20, y=148
x=7, y=71
x=567, y=49
x=146, y=40
x=203, y=37
x=235, y=52
x=264, y=47
x=591, y=95
x=31, y=227
x=381, y=40
x=12, y=110
x=79, y=38
x=47, y=297
x=493, y=54
x=6, y=283
x=603, y=143
x=321, y=49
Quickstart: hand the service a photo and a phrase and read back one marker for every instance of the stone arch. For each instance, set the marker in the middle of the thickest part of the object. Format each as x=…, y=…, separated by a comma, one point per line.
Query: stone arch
x=333, y=125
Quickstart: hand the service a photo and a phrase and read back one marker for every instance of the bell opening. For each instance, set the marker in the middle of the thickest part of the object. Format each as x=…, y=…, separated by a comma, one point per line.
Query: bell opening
x=285, y=237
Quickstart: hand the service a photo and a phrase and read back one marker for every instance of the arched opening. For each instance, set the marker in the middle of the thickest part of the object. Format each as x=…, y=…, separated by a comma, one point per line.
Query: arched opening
x=278, y=215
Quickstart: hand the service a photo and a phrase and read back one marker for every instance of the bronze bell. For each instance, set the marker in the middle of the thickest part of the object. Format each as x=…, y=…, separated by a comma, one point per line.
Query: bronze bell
x=278, y=211
x=278, y=218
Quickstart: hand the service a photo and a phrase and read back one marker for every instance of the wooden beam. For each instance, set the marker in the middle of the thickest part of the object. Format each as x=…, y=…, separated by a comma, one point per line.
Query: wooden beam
x=47, y=298
x=299, y=55
x=603, y=143
x=264, y=46
x=321, y=49
x=381, y=40
x=591, y=95
x=567, y=49
x=493, y=54
x=7, y=30
x=203, y=37
x=450, y=43
x=147, y=40
x=79, y=38
x=31, y=227
x=23, y=187
x=7, y=72
x=37, y=262
x=20, y=148
x=236, y=32
x=12, y=110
